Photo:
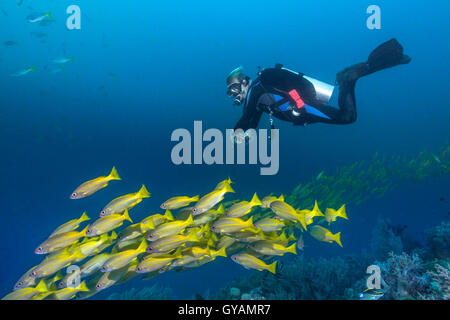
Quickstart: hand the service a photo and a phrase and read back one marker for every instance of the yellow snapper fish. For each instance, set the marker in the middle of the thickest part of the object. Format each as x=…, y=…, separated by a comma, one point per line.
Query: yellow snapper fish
x=178, y=202
x=91, y=246
x=285, y=211
x=225, y=242
x=211, y=199
x=94, y=264
x=242, y=208
x=270, y=224
x=322, y=234
x=107, y=223
x=128, y=244
x=266, y=201
x=23, y=72
x=205, y=259
x=222, y=184
x=169, y=228
x=150, y=263
x=51, y=287
x=132, y=232
x=51, y=265
x=311, y=214
x=125, y=202
x=26, y=293
x=70, y=225
x=37, y=17
x=331, y=214
x=209, y=215
x=59, y=241
x=25, y=281
x=110, y=278
x=156, y=219
x=250, y=262
x=171, y=242
x=43, y=295
x=268, y=248
x=90, y=187
x=69, y=278
x=249, y=235
x=70, y=292
x=123, y=258
x=231, y=225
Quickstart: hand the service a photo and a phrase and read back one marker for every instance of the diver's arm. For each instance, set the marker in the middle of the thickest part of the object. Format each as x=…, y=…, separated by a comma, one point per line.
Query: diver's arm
x=250, y=118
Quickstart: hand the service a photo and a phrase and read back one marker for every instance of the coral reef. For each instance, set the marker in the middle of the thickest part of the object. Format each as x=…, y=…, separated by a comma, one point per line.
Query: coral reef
x=438, y=241
x=302, y=278
x=440, y=285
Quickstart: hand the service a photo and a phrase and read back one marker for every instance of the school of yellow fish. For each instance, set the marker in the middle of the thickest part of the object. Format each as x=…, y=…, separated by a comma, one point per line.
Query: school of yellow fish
x=203, y=229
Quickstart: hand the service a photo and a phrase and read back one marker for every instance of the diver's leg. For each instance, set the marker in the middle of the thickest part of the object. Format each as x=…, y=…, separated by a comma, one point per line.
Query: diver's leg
x=387, y=55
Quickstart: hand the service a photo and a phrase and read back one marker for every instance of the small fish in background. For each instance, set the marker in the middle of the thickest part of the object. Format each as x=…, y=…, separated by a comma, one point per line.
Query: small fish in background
x=23, y=72
x=39, y=35
x=63, y=60
x=114, y=76
x=90, y=187
x=436, y=158
x=39, y=17
x=11, y=43
x=5, y=13
x=19, y=3
x=371, y=294
x=300, y=243
x=320, y=175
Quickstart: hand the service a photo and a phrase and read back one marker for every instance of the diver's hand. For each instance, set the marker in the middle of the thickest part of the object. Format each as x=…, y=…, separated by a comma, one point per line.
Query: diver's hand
x=239, y=136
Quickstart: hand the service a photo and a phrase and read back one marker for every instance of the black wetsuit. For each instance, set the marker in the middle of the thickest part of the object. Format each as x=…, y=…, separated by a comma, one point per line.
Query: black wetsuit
x=270, y=93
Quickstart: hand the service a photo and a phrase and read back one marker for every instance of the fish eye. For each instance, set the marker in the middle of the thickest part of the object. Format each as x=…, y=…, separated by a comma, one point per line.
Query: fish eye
x=19, y=284
x=138, y=269
x=33, y=273
x=103, y=212
x=74, y=194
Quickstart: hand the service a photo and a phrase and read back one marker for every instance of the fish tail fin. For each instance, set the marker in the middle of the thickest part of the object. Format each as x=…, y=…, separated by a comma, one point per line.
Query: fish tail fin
x=114, y=175
x=222, y=252
x=193, y=237
x=249, y=222
x=57, y=277
x=142, y=246
x=255, y=200
x=316, y=210
x=195, y=198
x=83, y=286
x=126, y=216
x=281, y=198
x=84, y=217
x=78, y=254
x=189, y=221
x=32, y=69
x=143, y=192
x=261, y=234
x=49, y=15
x=342, y=212
x=221, y=210
x=301, y=219
x=228, y=188
x=273, y=267
x=113, y=235
x=292, y=249
x=104, y=237
x=42, y=286
x=83, y=232
x=291, y=237
x=337, y=238
x=168, y=215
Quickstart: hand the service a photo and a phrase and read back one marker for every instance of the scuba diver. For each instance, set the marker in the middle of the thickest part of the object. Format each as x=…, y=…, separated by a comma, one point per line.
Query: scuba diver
x=294, y=97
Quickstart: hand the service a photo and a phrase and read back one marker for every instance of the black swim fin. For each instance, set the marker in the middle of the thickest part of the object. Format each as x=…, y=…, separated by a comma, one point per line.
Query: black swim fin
x=386, y=55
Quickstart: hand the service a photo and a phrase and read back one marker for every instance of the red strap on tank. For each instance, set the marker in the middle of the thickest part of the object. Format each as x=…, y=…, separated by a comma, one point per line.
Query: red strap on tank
x=298, y=101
